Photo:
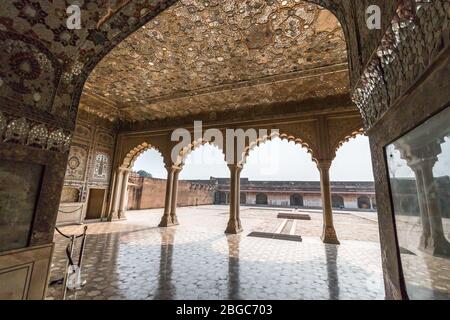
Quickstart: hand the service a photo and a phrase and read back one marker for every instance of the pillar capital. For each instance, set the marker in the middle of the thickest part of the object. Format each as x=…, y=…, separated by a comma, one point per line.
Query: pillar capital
x=173, y=168
x=324, y=164
x=414, y=155
x=234, y=167
x=124, y=169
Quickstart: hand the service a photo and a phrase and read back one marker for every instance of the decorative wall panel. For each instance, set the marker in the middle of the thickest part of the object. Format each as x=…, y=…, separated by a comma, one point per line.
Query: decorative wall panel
x=21, y=130
x=29, y=73
x=76, y=165
x=88, y=165
x=101, y=166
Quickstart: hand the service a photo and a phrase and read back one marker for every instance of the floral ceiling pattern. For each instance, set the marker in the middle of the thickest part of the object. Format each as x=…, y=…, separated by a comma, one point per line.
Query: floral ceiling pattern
x=209, y=56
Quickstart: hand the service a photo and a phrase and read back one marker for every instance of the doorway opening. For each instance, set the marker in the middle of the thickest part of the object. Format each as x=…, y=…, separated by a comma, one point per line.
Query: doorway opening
x=96, y=203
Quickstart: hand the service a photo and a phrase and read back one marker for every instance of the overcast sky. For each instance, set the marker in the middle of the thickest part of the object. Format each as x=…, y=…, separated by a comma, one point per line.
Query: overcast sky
x=273, y=160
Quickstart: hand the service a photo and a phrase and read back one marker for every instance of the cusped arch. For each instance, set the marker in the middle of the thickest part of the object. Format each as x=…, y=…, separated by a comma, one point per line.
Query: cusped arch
x=133, y=154
x=269, y=137
x=347, y=138
x=261, y=198
x=364, y=202
x=194, y=145
x=337, y=201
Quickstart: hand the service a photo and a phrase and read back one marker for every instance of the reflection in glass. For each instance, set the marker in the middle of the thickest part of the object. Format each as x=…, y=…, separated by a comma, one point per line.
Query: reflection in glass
x=419, y=170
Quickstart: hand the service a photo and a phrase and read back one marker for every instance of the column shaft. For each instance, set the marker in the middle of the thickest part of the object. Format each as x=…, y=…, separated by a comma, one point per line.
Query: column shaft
x=173, y=206
x=437, y=244
x=166, y=220
x=329, y=233
x=123, y=194
x=114, y=214
x=426, y=232
x=233, y=226
x=238, y=198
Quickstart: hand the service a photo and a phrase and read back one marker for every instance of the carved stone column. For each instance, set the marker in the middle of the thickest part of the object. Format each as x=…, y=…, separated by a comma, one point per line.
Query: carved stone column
x=124, y=194
x=166, y=220
x=234, y=223
x=422, y=160
x=114, y=214
x=238, y=197
x=437, y=244
x=173, y=206
x=328, y=234
x=423, y=210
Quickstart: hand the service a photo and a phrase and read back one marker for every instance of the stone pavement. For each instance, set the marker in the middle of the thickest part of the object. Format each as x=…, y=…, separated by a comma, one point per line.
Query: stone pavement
x=135, y=259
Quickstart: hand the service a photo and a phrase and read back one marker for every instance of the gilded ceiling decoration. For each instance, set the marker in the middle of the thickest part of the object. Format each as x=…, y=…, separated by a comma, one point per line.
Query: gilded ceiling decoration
x=215, y=55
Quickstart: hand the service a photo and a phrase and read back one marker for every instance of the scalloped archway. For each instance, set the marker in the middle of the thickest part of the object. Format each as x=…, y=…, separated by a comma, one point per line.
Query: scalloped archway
x=347, y=138
x=194, y=145
x=134, y=153
x=269, y=137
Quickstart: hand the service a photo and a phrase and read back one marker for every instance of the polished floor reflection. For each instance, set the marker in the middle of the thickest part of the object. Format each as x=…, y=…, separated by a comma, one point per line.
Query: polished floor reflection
x=134, y=259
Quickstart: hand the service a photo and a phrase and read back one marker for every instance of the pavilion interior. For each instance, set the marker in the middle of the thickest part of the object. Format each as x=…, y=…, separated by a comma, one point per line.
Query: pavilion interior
x=79, y=106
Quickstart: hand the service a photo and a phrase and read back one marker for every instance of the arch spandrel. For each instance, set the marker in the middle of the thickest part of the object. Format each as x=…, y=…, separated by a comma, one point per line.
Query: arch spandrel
x=340, y=130
x=306, y=131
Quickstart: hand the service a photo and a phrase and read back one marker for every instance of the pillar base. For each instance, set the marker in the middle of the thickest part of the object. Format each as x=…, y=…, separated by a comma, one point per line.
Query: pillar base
x=329, y=236
x=174, y=220
x=116, y=218
x=234, y=227
x=166, y=222
x=122, y=215
x=113, y=216
x=439, y=248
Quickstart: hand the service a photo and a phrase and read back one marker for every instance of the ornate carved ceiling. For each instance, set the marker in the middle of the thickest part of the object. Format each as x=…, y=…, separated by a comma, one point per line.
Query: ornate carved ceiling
x=215, y=55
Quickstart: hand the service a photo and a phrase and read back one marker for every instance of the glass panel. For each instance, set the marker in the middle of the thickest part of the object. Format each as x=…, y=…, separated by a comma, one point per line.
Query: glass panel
x=419, y=170
x=19, y=188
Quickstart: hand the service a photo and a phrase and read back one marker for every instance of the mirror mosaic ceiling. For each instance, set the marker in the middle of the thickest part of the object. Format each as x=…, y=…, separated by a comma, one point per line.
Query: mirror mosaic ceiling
x=215, y=55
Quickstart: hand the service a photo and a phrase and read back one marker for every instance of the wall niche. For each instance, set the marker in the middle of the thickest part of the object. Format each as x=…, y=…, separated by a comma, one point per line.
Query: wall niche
x=70, y=195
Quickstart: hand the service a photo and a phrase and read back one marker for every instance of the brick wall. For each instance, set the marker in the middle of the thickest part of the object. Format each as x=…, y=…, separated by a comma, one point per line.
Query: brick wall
x=149, y=193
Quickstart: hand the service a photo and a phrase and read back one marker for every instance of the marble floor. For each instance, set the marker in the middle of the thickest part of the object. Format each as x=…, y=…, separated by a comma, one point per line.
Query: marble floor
x=134, y=259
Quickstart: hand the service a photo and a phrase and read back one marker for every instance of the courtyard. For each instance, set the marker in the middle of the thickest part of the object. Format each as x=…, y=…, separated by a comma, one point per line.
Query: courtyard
x=134, y=259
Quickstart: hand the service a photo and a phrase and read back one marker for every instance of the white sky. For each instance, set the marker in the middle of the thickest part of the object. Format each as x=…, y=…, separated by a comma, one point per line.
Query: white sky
x=273, y=160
